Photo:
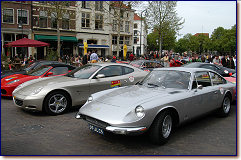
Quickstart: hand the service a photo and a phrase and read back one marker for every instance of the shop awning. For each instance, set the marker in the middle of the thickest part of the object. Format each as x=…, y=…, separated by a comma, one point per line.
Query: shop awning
x=94, y=46
x=55, y=38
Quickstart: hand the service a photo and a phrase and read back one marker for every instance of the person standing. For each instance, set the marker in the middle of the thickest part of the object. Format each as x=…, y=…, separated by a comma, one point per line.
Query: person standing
x=131, y=58
x=165, y=60
x=85, y=58
x=94, y=58
x=216, y=60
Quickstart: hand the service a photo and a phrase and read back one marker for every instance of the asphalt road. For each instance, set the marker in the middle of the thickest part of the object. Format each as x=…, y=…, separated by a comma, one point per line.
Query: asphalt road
x=28, y=133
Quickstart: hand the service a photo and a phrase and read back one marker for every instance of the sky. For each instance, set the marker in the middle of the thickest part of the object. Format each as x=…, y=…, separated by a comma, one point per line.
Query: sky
x=204, y=16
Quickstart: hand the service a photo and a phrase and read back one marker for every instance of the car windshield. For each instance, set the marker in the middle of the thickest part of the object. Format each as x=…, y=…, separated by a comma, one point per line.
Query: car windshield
x=40, y=71
x=191, y=65
x=30, y=66
x=83, y=72
x=167, y=79
x=234, y=75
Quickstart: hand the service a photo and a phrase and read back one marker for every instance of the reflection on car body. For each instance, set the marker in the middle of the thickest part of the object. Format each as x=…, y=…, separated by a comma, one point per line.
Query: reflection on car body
x=166, y=97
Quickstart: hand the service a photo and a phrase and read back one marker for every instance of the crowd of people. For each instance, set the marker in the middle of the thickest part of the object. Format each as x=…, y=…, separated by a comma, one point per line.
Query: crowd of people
x=169, y=59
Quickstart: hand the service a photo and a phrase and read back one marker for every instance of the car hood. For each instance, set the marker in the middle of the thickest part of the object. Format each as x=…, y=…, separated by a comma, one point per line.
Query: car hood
x=21, y=77
x=132, y=95
x=48, y=82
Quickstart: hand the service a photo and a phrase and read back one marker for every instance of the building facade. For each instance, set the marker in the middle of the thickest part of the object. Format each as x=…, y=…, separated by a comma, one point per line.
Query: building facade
x=139, y=36
x=45, y=27
x=16, y=24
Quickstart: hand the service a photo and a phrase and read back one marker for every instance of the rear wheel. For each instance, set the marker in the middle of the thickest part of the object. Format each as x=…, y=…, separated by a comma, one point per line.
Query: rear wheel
x=161, y=128
x=56, y=103
x=225, y=108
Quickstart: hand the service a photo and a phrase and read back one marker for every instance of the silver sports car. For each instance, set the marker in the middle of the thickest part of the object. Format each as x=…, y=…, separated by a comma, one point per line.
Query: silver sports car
x=55, y=95
x=166, y=97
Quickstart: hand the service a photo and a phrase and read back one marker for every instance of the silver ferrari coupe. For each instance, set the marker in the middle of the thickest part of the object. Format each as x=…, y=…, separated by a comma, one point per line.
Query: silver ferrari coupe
x=165, y=98
x=56, y=94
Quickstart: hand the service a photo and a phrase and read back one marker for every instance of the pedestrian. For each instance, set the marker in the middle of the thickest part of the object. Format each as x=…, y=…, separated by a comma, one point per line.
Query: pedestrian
x=165, y=60
x=224, y=61
x=85, y=58
x=94, y=57
x=216, y=60
x=234, y=60
x=131, y=58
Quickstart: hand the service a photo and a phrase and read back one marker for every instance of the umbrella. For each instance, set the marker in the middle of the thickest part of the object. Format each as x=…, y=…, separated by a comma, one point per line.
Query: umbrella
x=25, y=42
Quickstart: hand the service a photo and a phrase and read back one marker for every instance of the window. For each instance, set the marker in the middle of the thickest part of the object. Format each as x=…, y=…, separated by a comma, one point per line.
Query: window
x=135, y=32
x=59, y=70
x=210, y=67
x=216, y=79
x=114, y=39
x=128, y=70
x=135, y=25
x=22, y=16
x=43, y=19
x=135, y=40
x=98, y=5
x=114, y=28
x=111, y=71
x=121, y=13
x=127, y=26
x=127, y=40
x=85, y=20
x=98, y=21
x=203, y=79
x=65, y=21
x=85, y=4
x=53, y=20
x=7, y=15
x=121, y=26
x=121, y=39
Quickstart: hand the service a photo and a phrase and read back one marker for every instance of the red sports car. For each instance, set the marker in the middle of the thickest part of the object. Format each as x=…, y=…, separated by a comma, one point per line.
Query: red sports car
x=9, y=83
x=231, y=78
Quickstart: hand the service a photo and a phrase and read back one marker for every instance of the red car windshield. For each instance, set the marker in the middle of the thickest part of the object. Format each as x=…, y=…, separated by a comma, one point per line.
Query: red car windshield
x=40, y=71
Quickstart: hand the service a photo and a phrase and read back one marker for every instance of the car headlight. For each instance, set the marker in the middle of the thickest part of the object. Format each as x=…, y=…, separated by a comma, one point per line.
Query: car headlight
x=90, y=99
x=16, y=80
x=36, y=91
x=140, y=112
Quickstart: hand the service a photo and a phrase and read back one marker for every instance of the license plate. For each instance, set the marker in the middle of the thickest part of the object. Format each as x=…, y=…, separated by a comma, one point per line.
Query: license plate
x=96, y=129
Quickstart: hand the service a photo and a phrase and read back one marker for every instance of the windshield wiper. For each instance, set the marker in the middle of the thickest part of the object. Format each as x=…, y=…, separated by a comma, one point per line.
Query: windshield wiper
x=151, y=84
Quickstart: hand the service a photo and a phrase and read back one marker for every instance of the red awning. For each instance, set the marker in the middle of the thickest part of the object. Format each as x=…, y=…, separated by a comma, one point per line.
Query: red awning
x=25, y=42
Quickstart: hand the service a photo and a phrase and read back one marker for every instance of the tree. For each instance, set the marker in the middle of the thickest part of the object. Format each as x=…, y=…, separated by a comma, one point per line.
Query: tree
x=163, y=15
x=57, y=10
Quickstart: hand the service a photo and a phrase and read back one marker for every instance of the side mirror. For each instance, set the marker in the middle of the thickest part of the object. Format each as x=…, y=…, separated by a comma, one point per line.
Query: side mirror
x=49, y=74
x=199, y=86
x=100, y=76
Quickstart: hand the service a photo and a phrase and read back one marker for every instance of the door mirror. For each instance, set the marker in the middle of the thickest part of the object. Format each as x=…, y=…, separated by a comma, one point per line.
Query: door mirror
x=199, y=86
x=100, y=76
x=49, y=74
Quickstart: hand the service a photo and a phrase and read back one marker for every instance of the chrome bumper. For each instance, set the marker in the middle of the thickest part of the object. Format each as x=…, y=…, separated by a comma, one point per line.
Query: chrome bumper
x=125, y=130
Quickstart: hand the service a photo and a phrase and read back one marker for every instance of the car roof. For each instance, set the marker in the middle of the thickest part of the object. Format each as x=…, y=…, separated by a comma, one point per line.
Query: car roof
x=184, y=69
x=59, y=65
x=110, y=63
x=144, y=60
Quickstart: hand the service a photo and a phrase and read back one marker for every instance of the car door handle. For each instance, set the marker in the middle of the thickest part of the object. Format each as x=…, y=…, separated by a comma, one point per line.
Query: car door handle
x=215, y=92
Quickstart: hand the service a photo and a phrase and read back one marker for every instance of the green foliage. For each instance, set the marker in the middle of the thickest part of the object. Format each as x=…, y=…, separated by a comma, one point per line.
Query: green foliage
x=52, y=55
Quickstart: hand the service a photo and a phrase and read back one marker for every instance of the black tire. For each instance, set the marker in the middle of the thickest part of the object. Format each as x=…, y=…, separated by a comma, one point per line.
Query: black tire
x=224, y=110
x=56, y=103
x=160, y=134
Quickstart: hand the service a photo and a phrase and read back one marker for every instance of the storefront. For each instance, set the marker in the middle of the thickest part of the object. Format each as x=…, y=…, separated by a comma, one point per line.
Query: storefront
x=101, y=50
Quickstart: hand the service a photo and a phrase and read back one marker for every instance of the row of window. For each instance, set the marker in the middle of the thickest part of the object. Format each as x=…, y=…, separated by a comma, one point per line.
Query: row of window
x=22, y=16
x=123, y=40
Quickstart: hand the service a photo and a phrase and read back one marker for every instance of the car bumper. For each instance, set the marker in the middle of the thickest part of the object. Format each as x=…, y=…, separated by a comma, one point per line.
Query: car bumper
x=33, y=103
x=114, y=129
x=7, y=91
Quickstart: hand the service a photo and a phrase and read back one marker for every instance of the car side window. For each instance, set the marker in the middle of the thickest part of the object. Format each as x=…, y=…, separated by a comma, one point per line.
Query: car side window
x=203, y=79
x=111, y=71
x=216, y=79
x=59, y=70
x=128, y=70
x=210, y=67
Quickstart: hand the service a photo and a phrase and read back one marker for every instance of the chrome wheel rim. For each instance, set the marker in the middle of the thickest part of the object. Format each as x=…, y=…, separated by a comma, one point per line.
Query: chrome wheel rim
x=167, y=126
x=226, y=105
x=57, y=103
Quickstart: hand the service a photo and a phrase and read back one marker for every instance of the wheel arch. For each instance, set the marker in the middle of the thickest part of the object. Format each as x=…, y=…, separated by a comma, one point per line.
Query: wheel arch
x=173, y=111
x=229, y=94
x=57, y=90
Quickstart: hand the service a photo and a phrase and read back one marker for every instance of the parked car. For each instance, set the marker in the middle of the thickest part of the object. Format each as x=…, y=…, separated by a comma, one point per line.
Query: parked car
x=56, y=95
x=9, y=83
x=231, y=78
x=146, y=65
x=165, y=98
x=28, y=68
x=224, y=71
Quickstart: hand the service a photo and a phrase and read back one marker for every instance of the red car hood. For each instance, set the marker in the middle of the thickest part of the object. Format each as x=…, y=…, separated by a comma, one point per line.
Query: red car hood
x=231, y=79
x=22, y=78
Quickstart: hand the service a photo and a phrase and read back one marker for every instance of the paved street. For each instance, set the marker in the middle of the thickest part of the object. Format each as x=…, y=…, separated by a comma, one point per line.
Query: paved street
x=26, y=133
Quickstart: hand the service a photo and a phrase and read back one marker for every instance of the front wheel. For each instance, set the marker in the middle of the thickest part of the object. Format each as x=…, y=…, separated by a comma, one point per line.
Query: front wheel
x=161, y=128
x=56, y=103
x=225, y=108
